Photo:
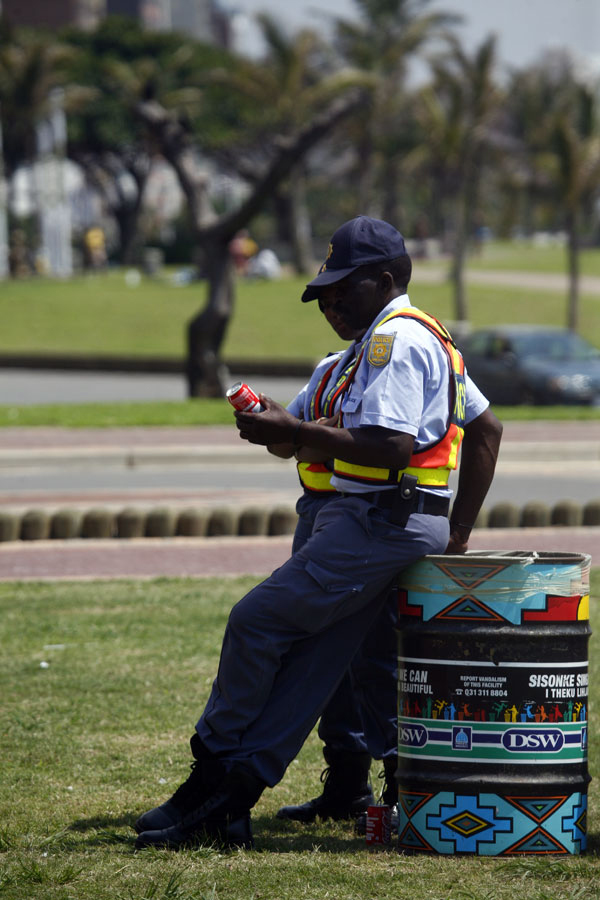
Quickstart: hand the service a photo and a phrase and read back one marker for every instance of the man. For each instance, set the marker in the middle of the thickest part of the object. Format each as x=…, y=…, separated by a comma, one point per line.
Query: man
x=405, y=401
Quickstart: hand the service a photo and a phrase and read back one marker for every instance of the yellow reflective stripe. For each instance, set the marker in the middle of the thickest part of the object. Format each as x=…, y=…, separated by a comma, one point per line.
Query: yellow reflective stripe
x=453, y=457
x=431, y=477
x=365, y=472
x=426, y=476
x=319, y=480
x=381, y=476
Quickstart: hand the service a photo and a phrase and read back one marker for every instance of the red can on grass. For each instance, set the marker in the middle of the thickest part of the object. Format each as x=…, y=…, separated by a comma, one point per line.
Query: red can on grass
x=379, y=826
x=243, y=398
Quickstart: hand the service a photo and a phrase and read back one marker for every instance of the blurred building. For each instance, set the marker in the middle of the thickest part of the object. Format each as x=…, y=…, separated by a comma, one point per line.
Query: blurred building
x=202, y=19
x=54, y=14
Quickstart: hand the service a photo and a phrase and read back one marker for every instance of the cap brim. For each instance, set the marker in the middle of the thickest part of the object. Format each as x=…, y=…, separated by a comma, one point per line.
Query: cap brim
x=328, y=276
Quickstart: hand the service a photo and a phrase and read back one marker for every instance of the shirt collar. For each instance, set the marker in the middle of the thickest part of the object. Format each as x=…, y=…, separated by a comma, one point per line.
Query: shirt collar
x=400, y=302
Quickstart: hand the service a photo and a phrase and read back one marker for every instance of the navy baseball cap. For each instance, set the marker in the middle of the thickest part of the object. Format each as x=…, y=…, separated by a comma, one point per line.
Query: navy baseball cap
x=359, y=242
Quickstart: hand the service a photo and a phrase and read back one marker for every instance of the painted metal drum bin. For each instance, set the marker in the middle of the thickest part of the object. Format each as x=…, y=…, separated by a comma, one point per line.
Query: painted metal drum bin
x=493, y=704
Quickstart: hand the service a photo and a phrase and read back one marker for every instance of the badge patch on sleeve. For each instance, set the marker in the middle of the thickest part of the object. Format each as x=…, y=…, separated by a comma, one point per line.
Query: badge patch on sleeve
x=380, y=349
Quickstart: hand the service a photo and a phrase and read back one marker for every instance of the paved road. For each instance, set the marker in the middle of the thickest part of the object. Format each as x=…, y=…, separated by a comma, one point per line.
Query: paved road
x=27, y=387
x=183, y=466
x=51, y=467
x=565, y=453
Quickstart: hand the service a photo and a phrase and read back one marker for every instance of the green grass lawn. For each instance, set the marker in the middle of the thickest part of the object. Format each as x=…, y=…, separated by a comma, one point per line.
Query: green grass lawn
x=102, y=314
x=527, y=256
x=101, y=683
x=212, y=412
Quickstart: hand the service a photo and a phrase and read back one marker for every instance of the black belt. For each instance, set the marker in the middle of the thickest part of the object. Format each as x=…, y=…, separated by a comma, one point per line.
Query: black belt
x=422, y=502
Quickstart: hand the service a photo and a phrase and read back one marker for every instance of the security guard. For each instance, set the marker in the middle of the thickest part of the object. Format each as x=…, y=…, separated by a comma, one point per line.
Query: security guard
x=405, y=406
x=346, y=792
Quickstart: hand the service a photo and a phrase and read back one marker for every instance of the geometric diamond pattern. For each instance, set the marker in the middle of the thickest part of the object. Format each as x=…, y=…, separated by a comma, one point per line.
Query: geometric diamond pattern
x=471, y=609
x=538, y=842
x=467, y=824
x=539, y=808
x=487, y=824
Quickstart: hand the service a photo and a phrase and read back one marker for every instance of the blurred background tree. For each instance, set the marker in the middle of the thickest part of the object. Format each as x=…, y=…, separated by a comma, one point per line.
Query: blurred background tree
x=390, y=117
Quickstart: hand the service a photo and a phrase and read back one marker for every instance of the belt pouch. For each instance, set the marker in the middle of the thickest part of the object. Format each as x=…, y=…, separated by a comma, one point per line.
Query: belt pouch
x=404, y=500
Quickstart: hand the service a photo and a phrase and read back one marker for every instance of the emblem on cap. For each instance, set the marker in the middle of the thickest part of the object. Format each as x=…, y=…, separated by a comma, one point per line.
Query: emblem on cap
x=380, y=349
x=329, y=254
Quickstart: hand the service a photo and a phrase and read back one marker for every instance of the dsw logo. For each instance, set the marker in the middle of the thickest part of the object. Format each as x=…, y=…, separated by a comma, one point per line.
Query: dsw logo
x=413, y=735
x=524, y=740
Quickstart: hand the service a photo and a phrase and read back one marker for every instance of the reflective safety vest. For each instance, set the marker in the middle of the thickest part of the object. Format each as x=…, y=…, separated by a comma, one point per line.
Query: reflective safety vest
x=431, y=465
x=317, y=476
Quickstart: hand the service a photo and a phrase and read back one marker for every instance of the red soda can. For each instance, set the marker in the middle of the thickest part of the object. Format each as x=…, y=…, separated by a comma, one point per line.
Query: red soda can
x=243, y=398
x=379, y=826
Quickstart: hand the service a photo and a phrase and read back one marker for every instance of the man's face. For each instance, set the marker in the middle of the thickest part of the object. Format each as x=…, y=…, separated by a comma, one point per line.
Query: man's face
x=350, y=305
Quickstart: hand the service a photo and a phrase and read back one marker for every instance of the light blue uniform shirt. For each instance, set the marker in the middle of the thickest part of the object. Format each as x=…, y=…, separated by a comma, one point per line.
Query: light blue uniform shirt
x=409, y=393
x=300, y=405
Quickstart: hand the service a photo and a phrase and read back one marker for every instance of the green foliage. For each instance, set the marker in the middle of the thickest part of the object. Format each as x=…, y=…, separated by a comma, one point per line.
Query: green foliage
x=31, y=66
x=125, y=63
x=102, y=732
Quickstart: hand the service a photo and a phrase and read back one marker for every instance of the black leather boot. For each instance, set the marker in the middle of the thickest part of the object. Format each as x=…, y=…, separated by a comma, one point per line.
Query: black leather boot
x=222, y=817
x=346, y=789
x=207, y=772
x=389, y=796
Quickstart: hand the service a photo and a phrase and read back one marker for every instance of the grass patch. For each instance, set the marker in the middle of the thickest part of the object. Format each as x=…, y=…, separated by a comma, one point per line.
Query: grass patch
x=526, y=256
x=102, y=314
x=100, y=733
x=114, y=415
x=213, y=412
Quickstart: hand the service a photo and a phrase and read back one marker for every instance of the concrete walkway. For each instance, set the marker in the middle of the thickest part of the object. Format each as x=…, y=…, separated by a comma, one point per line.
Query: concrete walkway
x=65, y=446
x=204, y=557
x=574, y=444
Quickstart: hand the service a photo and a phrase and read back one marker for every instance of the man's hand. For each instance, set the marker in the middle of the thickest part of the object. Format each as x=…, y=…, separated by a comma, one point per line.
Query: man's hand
x=274, y=425
x=307, y=454
x=457, y=544
x=369, y=446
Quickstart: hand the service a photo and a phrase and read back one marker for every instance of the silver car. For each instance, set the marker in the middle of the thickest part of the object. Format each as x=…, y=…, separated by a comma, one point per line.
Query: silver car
x=533, y=364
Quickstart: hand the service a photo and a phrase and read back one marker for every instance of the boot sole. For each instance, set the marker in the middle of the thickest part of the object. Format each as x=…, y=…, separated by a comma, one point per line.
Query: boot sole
x=221, y=833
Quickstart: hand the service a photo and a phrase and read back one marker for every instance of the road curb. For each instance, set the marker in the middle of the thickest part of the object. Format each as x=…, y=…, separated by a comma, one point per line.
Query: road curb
x=169, y=520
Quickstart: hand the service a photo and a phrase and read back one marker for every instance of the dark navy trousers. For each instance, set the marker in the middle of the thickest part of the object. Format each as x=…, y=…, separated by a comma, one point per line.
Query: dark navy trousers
x=341, y=724
x=291, y=640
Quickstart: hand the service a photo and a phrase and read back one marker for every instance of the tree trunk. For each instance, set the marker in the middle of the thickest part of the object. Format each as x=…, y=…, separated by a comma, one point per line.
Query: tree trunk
x=573, y=267
x=128, y=215
x=366, y=177
x=127, y=218
x=206, y=374
x=293, y=222
x=391, y=210
x=301, y=232
x=457, y=267
x=212, y=234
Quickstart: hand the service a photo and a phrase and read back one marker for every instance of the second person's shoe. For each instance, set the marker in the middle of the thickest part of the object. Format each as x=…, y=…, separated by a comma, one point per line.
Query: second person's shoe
x=346, y=789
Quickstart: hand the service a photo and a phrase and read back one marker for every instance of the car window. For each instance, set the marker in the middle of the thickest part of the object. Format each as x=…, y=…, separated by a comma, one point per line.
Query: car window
x=554, y=345
x=499, y=346
x=478, y=344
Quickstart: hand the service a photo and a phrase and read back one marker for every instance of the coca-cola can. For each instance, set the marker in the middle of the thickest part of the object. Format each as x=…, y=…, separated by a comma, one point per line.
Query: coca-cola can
x=379, y=826
x=243, y=398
